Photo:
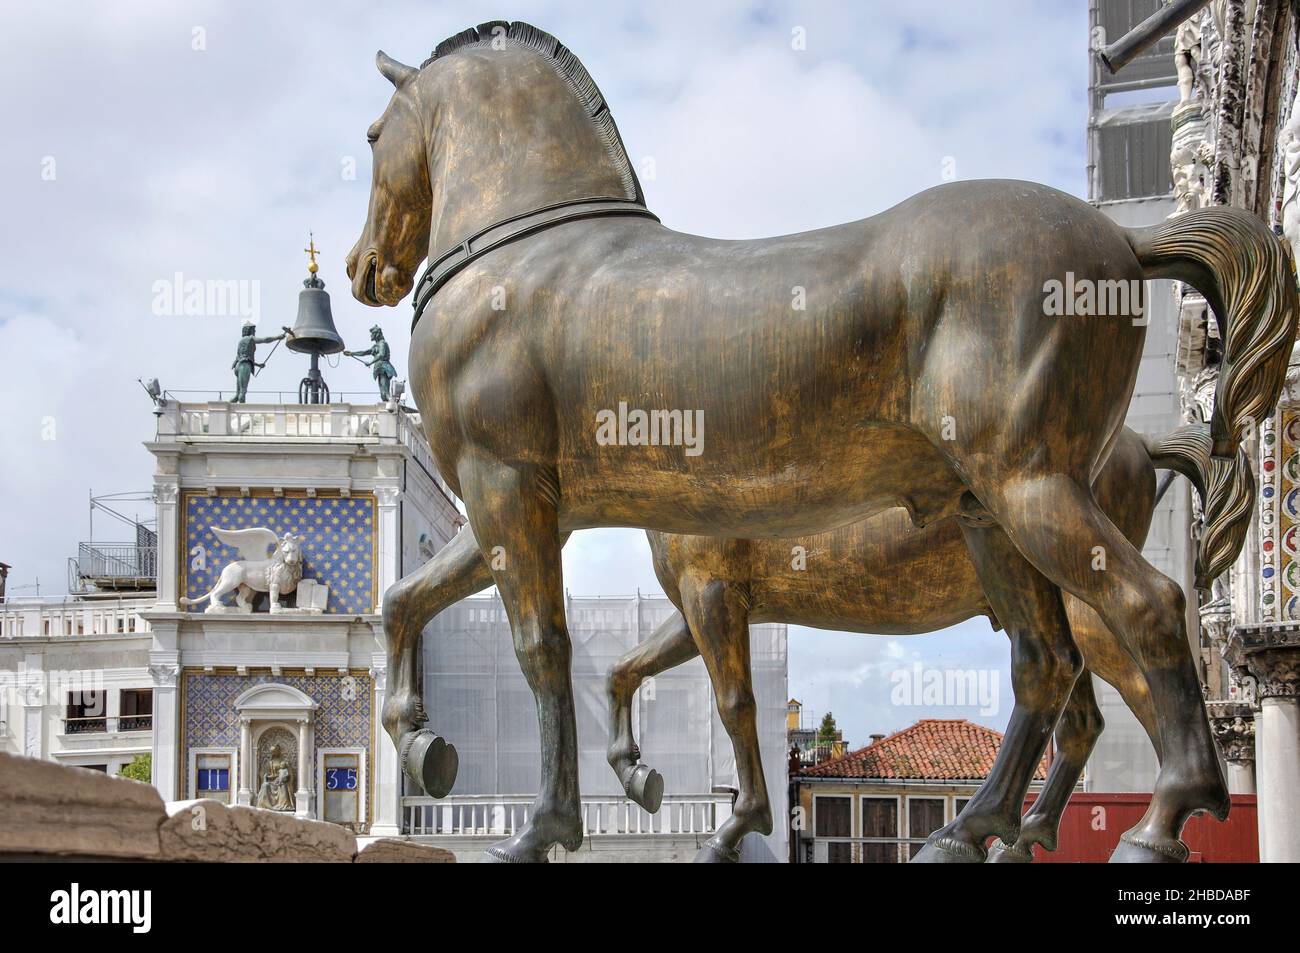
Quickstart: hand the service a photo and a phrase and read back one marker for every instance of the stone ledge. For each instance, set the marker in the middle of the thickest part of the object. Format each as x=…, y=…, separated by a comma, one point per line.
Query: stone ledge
x=52, y=810
x=393, y=850
x=48, y=808
x=212, y=832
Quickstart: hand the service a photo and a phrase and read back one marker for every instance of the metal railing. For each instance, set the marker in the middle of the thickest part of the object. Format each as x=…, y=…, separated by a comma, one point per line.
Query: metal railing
x=104, y=724
x=108, y=564
x=469, y=815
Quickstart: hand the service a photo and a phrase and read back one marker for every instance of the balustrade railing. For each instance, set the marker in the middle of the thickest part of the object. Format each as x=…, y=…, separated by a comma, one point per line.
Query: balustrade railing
x=73, y=617
x=471, y=815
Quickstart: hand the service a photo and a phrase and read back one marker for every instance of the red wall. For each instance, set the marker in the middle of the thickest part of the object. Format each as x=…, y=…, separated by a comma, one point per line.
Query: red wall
x=1092, y=823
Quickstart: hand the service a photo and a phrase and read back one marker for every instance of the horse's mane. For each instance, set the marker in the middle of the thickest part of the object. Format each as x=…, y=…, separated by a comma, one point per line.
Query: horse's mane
x=569, y=68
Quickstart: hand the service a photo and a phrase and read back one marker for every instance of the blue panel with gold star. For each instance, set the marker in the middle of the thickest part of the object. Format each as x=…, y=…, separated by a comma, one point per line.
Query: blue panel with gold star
x=338, y=543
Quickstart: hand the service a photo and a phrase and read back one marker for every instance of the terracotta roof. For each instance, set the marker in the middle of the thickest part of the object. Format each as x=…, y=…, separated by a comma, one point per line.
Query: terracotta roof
x=934, y=749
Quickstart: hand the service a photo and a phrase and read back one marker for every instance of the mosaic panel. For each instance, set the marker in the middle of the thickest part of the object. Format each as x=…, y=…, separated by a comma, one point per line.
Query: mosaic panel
x=1280, y=519
x=343, y=720
x=338, y=542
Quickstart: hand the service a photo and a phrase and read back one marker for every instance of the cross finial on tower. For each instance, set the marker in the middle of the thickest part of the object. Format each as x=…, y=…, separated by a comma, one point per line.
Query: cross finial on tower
x=312, y=251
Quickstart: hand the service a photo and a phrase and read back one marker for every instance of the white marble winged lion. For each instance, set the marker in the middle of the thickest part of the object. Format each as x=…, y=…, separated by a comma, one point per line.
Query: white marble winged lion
x=255, y=572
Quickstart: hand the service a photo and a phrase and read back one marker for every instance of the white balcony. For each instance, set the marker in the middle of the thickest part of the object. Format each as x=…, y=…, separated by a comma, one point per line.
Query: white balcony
x=70, y=617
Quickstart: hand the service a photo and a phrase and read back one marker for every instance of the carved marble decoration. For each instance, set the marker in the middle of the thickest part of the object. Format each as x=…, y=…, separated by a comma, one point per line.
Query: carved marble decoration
x=255, y=572
x=1189, y=157
x=312, y=597
x=1290, y=155
x=164, y=674
x=1272, y=654
x=275, y=771
x=1233, y=726
x=1187, y=55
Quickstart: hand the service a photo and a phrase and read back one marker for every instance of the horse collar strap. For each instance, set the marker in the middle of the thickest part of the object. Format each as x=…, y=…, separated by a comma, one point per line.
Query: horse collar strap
x=441, y=270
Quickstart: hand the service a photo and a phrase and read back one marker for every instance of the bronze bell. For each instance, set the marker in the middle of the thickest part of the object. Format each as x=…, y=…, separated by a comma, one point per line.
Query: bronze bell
x=313, y=331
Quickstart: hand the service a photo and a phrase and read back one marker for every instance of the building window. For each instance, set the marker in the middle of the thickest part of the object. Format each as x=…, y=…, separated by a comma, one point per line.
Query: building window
x=834, y=819
x=924, y=817
x=85, y=714
x=880, y=819
x=136, y=710
x=341, y=788
x=212, y=777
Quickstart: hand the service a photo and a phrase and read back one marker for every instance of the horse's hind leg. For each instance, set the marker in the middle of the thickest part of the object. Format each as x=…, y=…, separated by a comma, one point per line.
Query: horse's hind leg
x=1076, y=734
x=457, y=571
x=670, y=645
x=1081, y=724
x=1056, y=523
x=517, y=529
x=1044, y=667
x=719, y=620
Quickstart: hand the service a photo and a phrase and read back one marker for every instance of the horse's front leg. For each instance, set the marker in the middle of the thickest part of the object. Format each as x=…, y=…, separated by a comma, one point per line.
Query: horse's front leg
x=1044, y=667
x=670, y=645
x=457, y=571
x=518, y=533
x=1080, y=727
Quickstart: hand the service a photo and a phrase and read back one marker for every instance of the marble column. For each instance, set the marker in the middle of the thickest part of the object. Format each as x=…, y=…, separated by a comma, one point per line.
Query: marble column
x=170, y=550
x=303, y=796
x=247, y=768
x=1271, y=653
x=1233, y=725
x=386, y=815
x=388, y=559
x=164, y=667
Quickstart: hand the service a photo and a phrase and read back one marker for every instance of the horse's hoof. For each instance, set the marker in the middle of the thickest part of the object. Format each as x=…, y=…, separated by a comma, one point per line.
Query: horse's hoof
x=1135, y=850
x=715, y=853
x=949, y=850
x=1001, y=853
x=429, y=761
x=497, y=854
x=646, y=787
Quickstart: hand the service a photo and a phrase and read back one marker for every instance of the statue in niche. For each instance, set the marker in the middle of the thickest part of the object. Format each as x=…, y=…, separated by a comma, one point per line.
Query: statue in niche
x=276, y=774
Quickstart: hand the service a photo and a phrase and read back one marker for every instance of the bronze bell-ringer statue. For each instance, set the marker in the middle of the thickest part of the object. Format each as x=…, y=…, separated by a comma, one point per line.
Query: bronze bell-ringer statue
x=313, y=332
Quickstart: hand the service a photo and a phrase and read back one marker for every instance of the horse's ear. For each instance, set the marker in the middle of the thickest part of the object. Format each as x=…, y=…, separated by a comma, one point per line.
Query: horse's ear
x=396, y=73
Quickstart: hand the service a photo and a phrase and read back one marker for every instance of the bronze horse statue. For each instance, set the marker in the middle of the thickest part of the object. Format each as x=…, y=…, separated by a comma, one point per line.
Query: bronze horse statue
x=908, y=359
x=884, y=575
x=881, y=575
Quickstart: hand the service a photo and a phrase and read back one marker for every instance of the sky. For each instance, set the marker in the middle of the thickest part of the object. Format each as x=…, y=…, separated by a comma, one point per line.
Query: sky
x=146, y=140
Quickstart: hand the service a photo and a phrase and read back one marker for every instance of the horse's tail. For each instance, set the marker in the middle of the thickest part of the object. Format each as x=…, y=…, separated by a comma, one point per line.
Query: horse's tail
x=1226, y=488
x=1248, y=277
